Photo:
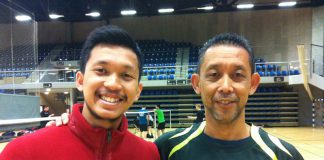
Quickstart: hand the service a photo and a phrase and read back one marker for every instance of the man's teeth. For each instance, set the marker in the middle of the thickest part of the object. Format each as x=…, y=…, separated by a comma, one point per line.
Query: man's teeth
x=225, y=101
x=109, y=99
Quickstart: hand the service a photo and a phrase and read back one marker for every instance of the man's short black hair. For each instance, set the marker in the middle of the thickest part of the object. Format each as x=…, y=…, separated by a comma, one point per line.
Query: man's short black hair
x=230, y=39
x=111, y=35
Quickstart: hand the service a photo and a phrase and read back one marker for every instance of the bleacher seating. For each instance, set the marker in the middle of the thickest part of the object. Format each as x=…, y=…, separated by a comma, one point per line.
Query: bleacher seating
x=270, y=70
x=271, y=105
x=70, y=52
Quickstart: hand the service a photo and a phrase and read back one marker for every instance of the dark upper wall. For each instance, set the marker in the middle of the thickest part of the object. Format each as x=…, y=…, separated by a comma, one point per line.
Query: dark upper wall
x=273, y=33
x=65, y=32
x=17, y=34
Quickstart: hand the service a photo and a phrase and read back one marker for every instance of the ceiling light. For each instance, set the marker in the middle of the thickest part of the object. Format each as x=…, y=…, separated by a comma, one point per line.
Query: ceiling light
x=48, y=89
x=23, y=18
x=46, y=92
x=287, y=4
x=166, y=10
x=66, y=92
x=128, y=12
x=55, y=16
x=245, y=6
x=93, y=14
x=206, y=8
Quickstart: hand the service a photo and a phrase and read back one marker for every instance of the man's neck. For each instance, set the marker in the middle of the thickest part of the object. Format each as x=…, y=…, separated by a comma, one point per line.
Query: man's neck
x=101, y=123
x=236, y=130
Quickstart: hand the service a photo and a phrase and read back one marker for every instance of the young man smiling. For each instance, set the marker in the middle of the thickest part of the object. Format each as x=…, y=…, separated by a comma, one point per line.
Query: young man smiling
x=225, y=80
x=111, y=66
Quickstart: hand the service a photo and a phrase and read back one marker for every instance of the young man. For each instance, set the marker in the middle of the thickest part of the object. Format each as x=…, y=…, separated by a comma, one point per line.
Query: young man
x=111, y=65
x=45, y=113
x=150, y=126
x=225, y=79
x=200, y=115
x=161, y=120
x=143, y=121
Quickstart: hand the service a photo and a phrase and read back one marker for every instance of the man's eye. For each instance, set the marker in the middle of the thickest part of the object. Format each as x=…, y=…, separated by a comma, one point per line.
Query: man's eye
x=128, y=76
x=239, y=75
x=100, y=70
x=213, y=74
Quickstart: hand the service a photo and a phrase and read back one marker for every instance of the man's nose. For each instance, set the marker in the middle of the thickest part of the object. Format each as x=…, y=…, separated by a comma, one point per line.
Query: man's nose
x=225, y=84
x=112, y=82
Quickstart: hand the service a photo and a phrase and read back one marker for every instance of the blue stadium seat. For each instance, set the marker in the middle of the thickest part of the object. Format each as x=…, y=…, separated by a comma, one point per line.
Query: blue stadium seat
x=171, y=76
x=189, y=76
x=258, y=67
x=190, y=70
x=261, y=73
x=263, y=66
x=284, y=73
x=172, y=71
x=296, y=72
x=161, y=71
x=166, y=71
x=149, y=77
x=160, y=77
x=145, y=71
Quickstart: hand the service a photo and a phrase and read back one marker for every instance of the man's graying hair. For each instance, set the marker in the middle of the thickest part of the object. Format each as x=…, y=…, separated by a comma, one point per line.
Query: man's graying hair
x=230, y=39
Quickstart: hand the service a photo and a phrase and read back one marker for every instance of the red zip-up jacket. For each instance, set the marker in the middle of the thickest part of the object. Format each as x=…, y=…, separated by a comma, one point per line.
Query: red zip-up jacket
x=79, y=141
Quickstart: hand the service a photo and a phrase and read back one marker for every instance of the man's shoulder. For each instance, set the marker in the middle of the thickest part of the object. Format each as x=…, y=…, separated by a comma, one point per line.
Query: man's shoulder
x=174, y=137
x=279, y=145
x=27, y=144
x=48, y=133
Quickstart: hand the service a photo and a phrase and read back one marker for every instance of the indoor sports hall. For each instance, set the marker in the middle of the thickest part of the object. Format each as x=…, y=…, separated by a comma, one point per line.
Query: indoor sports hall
x=41, y=41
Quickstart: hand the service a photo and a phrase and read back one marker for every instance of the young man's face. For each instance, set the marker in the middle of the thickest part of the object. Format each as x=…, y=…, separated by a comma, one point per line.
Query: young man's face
x=225, y=83
x=110, y=82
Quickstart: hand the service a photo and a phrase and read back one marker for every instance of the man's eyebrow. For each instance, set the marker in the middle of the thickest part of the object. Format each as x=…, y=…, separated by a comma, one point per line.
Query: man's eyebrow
x=213, y=66
x=101, y=63
x=240, y=67
x=126, y=66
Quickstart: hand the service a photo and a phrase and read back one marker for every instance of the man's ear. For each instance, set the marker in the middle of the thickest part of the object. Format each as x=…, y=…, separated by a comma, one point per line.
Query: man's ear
x=255, y=81
x=79, y=81
x=195, y=83
x=139, y=91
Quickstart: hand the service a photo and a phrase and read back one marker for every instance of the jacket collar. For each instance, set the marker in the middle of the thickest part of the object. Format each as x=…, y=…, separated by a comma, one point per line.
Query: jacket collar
x=94, y=137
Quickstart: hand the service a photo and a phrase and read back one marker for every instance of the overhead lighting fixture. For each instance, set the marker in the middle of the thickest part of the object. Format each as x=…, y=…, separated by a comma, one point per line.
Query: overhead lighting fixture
x=128, y=12
x=206, y=8
x=23, y=18
x=166, y=10
x=55, y=16
x=93, y=14
x=48, y=89
x=245, y=6
x=51, y=73
x=46, y=92
x=287, y=4
x=66, y=92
